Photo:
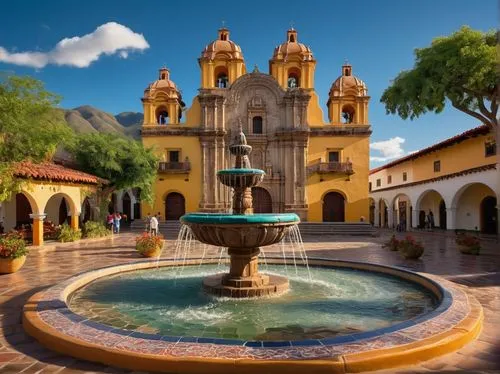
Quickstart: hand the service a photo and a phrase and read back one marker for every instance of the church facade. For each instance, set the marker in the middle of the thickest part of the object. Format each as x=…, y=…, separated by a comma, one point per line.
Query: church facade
x=314, y=168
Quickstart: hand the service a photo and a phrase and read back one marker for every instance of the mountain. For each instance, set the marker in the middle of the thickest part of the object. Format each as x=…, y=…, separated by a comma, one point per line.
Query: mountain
x=86, y=119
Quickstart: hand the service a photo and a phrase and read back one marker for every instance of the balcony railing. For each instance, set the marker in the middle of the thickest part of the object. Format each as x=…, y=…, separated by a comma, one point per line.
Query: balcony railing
x=331, y=167
x=174, y=167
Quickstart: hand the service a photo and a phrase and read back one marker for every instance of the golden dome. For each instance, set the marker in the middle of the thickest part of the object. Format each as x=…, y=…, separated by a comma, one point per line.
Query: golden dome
x=292, y=48
x=222, y=46
x=348, y=84
x=163, y=84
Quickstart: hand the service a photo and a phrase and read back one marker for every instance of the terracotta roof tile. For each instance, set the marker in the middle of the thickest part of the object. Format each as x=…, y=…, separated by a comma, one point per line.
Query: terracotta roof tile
x=53, y=172
x=480, y=130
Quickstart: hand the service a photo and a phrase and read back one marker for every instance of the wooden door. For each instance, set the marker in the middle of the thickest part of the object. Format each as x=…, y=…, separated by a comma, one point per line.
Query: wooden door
x=175, y=206
x=333, y=207
x=262, y=202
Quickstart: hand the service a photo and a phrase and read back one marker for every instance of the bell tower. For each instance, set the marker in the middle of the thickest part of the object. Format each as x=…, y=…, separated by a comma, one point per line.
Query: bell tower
x=293, y=64
x=348, y=99
x=162, y=101
x=221, y=62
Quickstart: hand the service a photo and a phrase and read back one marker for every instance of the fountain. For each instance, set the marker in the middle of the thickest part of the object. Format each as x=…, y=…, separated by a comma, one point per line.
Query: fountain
x=151, y=315
x=242, y=232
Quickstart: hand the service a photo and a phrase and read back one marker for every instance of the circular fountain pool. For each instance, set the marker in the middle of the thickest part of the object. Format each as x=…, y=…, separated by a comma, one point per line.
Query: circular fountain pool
x=334, y=302
x=352, y=317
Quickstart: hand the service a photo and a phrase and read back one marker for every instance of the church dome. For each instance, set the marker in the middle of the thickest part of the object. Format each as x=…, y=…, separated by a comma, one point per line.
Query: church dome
x=348, y=84
x=222, y=46
x=162, y=84
x=292, y=48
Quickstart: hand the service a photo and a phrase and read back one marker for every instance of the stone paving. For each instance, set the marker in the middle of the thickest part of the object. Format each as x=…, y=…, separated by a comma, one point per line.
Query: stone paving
x=21, y=353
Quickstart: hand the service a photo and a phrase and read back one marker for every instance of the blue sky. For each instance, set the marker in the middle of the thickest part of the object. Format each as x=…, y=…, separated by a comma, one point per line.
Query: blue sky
x=377, y=37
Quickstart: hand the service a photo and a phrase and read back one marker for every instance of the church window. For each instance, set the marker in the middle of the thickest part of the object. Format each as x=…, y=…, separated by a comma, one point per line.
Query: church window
x=257, y=125
x=333, y=156
x=222, y=80
x=162, y=117
x=347, y=114
x=293, y=80
x=173, y=156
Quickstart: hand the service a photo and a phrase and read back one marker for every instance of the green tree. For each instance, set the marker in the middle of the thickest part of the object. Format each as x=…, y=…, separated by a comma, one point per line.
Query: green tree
x=124, y=162
x=461, y=69
x=31, y=128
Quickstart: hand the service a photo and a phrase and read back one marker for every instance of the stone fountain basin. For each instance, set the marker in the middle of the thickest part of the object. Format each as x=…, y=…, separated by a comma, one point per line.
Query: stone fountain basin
x=240, y=178
x=240, y=231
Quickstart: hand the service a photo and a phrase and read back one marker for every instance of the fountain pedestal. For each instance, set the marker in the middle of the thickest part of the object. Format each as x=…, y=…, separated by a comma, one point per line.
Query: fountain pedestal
x=242, y=232
x=244, y=279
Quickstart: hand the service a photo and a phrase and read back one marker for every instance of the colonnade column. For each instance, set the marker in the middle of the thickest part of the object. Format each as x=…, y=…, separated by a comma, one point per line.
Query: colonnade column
x=451, y=218
x=390, y=217
x=414, y=218
x=376, y=219
x=37, y=228
x=75, y=221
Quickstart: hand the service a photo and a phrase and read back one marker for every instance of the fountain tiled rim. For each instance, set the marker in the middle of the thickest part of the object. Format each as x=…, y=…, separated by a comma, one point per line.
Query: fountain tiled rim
x=456, y=320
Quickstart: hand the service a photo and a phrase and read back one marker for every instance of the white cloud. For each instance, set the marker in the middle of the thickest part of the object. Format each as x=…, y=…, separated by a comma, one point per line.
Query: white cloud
x=387, y=149
x=77, y=51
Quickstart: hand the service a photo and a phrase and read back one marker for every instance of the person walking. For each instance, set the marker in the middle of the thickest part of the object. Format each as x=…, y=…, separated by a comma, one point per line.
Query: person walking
x=154, y=226
x=116, y=222
x=109, y=221
x=431, y=219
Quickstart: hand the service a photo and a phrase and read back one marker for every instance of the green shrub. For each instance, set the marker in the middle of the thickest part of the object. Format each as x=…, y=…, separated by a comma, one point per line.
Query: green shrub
x=67, y=234
x=92, y=229
x=410, y=248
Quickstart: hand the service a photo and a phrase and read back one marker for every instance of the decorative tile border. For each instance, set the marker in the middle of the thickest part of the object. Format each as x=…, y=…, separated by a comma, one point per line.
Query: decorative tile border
x=458, y=315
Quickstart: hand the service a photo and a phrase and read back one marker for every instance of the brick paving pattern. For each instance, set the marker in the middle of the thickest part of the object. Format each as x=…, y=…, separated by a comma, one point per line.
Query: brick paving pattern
x=21, y=353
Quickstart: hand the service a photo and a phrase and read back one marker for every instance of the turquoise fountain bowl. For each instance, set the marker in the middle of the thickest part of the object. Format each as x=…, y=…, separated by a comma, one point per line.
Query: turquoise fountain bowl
x=240, y=178
x=239, y=231
x=240, y=219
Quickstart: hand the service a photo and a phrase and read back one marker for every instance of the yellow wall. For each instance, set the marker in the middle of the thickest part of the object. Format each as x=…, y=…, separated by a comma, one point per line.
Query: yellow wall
x=190, y=188
x=355, y=190
x=461, y=156
x=192, y=116
x=314, y=112
x=465, y=155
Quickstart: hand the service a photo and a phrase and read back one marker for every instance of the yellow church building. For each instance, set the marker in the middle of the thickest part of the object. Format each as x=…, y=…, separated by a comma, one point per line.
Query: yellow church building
x=318, y=170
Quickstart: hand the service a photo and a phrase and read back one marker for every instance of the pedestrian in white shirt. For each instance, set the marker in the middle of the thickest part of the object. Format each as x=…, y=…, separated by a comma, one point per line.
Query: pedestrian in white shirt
x=154, y=226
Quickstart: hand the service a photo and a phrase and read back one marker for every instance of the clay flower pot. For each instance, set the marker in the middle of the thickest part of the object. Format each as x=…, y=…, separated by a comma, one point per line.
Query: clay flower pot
x=153, y=253
x=474, y=250
x=9, y=265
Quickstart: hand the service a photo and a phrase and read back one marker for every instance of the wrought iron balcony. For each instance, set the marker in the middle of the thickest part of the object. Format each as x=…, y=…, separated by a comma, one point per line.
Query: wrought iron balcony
x=331, y=168
x=174, y=167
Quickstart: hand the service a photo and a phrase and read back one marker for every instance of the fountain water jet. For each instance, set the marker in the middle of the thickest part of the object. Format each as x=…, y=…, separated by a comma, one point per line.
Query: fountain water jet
x=242, y=232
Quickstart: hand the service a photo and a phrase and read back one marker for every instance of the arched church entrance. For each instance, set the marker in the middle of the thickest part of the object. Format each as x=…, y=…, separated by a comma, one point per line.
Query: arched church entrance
x=262, y=201
x=175, y=206
x=333, y=207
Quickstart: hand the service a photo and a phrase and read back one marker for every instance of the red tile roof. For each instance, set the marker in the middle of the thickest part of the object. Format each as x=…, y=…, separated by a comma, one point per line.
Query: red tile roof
x=52, y=172
x=480, y=130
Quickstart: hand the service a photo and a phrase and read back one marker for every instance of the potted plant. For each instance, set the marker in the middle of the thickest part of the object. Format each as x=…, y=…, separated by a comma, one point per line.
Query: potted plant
x=149, y=245
x=392, y=244
x=13, y=253
x=468, y=244
x=410, y=248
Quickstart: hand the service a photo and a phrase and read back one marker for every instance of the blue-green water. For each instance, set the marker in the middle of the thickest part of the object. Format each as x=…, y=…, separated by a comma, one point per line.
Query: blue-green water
x=336, y=301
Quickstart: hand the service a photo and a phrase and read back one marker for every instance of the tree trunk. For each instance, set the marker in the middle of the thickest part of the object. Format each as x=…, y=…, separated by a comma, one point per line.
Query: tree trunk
x=497, y=189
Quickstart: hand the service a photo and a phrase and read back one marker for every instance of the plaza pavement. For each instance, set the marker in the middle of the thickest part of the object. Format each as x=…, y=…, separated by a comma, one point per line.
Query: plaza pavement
x=19, y=353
